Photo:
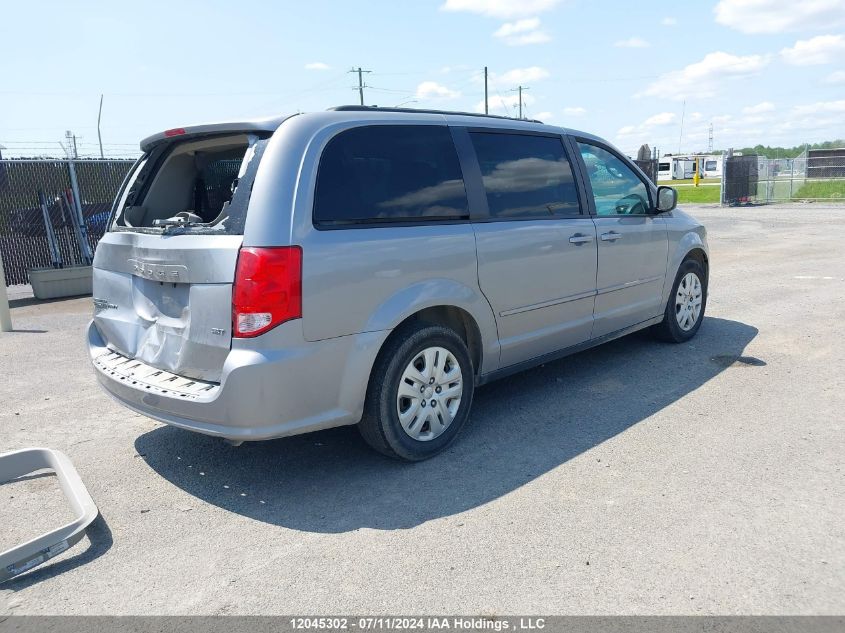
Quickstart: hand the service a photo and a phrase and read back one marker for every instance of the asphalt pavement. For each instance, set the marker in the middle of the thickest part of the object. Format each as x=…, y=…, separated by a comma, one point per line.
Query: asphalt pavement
x=635, y=478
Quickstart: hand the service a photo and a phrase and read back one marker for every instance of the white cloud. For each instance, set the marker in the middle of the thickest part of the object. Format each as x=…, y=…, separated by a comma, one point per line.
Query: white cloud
x=545, y=116
x=703, y=79
x=669, y=21
x=522, y=32
x=632, y=42
x=822, y=49
x=777, y=16
x=820, y=107
x=520, y=26
x=765, y=106
x=575, y=111
x=317, y=66
x=504, y=9
x=661, y=119
x=814, y=121
x=519, y=76
x=434, y=90
x=759, y=123
x=837, y=77
x=664, y=118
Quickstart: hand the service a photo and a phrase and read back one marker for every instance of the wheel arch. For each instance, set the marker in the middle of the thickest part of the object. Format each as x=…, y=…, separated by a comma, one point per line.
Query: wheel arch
x=690, y=246
x=448, y=303
x=699, y=255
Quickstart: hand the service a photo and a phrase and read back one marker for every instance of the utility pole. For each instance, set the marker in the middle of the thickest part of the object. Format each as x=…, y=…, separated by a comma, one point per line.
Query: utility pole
x=361, y=84
x=486, y=109
x=99, y=136
x=681, y=137
x=520, y=89
x=71, y=144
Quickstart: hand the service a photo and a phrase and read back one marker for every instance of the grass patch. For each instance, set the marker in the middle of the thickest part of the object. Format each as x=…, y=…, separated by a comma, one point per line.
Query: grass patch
x=698, y=195
x=688, y=181
x=823, y=189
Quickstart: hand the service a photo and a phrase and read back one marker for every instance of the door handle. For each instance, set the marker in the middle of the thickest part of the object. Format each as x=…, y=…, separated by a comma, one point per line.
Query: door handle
x=610, y=237
x=578, y=238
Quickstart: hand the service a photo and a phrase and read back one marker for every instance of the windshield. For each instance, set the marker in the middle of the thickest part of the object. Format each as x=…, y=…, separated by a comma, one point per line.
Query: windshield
x=197, y=184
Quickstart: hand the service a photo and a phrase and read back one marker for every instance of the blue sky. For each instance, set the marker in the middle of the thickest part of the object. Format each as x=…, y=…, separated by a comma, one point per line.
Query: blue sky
x=768, y=71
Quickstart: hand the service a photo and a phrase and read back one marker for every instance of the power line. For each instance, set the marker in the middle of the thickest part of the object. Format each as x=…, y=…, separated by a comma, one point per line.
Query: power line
x=503, y=103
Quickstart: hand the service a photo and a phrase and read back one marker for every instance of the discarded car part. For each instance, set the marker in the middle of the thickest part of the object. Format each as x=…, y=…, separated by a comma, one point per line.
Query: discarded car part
x=42, y=548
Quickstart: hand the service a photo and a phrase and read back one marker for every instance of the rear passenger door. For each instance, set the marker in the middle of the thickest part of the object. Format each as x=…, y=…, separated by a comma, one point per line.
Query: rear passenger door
x=536, y=250
x=632, y=241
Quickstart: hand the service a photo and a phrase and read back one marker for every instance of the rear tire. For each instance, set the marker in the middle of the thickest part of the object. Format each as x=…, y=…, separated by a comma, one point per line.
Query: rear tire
x=431, y=366
x=685, y=308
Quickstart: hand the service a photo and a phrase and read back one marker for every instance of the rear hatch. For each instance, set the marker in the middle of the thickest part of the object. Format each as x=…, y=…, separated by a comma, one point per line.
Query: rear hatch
x=163, y=273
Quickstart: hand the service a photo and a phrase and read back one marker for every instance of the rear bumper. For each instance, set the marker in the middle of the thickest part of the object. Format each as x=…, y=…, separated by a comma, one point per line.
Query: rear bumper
x=272, y=386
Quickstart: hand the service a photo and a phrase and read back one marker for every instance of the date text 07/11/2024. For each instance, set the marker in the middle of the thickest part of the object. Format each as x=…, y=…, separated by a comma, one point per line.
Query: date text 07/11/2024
x=388, y=623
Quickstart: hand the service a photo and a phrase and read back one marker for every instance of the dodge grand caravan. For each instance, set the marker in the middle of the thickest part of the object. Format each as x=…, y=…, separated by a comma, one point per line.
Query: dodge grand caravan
x=373, y=266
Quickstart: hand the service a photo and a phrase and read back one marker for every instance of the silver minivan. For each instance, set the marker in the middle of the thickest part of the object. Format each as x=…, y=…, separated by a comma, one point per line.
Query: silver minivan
x=372, y=266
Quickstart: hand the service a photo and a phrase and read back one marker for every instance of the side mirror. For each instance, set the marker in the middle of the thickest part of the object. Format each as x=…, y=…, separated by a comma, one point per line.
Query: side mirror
x=667, y=199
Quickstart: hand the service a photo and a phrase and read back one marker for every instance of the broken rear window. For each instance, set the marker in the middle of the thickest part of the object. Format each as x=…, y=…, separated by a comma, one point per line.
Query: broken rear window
x=194, y=184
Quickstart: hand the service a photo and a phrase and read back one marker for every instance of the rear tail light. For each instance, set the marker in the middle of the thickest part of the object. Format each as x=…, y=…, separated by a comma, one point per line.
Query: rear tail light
x=268, y=289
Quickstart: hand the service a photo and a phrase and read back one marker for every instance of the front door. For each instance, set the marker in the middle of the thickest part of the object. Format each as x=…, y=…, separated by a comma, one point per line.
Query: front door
x=536, y=250
x=632, y=242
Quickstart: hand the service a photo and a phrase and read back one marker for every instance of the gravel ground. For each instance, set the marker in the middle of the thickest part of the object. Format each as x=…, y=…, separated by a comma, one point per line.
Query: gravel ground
x=635, y=478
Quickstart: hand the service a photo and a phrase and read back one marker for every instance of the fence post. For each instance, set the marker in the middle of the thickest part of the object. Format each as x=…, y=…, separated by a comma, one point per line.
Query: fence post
x=726, y=156
x=791, y=176
x=82, y=230
x=5, y=315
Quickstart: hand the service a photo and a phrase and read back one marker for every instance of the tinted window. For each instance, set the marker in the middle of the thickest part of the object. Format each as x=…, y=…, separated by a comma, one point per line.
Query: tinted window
x=710, y=165
x=617, y=190
x=525, y=176
x=390, y=173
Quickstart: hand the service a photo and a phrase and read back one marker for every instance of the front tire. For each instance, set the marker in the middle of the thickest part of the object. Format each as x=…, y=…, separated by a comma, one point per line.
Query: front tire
x=420, y=393
x=685, y=308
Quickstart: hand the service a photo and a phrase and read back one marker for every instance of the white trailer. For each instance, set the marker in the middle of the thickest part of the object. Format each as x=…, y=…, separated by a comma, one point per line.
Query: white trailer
x=711, y=166
x=682, y=167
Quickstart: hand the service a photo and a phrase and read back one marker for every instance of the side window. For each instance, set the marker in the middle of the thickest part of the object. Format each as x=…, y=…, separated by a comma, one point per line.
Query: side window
x=525, y=176
x=617, y=190
x=389, y=173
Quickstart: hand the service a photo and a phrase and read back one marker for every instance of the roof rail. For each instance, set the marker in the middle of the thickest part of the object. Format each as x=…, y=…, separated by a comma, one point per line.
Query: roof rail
x=358, y=108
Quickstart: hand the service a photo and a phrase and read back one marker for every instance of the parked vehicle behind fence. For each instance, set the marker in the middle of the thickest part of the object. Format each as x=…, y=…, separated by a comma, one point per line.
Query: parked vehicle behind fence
x=373, y=266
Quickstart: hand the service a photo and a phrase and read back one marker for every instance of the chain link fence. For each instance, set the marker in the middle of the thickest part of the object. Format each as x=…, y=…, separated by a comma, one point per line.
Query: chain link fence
x=41, y=202
x=649, y=167
x=814, y=176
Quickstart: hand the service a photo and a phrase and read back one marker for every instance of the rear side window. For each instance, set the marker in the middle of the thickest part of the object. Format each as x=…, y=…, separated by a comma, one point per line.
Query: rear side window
x=525, y=176
x=389, y=173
